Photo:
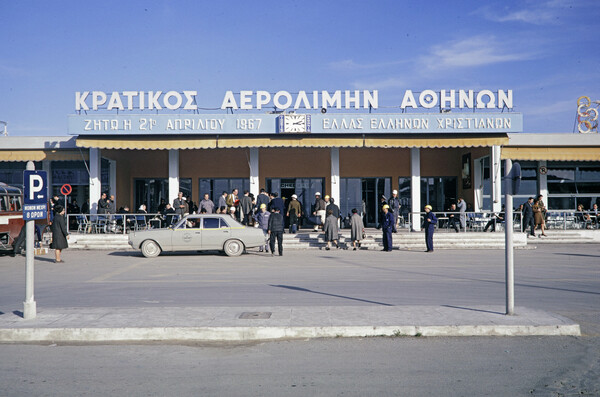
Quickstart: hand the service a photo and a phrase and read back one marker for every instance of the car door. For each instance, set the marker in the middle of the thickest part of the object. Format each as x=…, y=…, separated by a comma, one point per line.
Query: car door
x=215, y=231
x=188, y=235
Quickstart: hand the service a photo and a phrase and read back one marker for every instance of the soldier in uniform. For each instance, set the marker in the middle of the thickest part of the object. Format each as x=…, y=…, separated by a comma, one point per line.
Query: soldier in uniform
x=429, y=227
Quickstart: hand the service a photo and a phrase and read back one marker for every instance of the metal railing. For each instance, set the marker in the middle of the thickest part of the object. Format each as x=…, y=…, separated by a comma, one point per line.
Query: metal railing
x=118, y=223
x=487, y=220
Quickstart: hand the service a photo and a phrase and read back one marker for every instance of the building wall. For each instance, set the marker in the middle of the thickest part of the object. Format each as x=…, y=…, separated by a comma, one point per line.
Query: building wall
x=366, y=163
x=294, y=163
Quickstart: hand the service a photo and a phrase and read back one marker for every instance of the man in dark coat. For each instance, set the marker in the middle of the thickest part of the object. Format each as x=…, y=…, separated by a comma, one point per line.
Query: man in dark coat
x=103, y=205
x=245, y=208
x=275, y=231
x=429, y=227
x=167, y=215
x=276, y=203
x=59, y=233
x=180, y=206
x=394, y=203
x=528, y=219
x=387, y=225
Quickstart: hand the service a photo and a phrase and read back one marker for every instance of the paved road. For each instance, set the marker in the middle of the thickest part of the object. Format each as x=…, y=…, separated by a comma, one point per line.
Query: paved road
x=563, y=279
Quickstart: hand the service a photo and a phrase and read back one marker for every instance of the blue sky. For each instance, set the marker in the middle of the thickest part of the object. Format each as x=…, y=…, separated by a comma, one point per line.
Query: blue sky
x=546, y=51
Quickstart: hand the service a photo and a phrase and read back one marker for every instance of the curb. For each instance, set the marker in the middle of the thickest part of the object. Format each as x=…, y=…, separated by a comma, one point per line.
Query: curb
x=226, y=334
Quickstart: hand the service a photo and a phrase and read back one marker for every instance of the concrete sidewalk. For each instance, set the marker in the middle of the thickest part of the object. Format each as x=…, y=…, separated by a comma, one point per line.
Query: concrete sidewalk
x=275, y=322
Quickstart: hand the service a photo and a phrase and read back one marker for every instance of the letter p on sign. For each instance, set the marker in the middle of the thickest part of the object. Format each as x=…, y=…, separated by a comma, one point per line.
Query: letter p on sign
x=36, y=183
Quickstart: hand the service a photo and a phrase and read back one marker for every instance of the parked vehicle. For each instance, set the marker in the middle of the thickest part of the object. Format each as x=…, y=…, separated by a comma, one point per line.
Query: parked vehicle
x=198, y=233
x=11, y=215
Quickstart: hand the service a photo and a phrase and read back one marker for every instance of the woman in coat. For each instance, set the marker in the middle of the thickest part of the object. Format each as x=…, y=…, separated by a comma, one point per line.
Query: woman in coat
x=538, y=216
x=357, y=228
x=331, y=230
x=59, y=233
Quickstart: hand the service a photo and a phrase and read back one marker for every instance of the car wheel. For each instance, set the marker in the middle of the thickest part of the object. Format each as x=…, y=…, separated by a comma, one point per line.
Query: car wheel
x=150, y=249
x=233, y=247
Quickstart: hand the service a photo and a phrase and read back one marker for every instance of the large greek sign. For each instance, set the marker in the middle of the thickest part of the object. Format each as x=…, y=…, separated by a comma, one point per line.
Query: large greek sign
x=318, y=123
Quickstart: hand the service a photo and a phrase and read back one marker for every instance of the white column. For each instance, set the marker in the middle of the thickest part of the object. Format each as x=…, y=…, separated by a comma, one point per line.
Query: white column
x=496, y=178
x=415, y=187
x=173, y=174
x=543, y=181
x=47, y=166
x=112, y=182
x=254, y=178
x=95, y=179
x=335, y=174
x=478, y=184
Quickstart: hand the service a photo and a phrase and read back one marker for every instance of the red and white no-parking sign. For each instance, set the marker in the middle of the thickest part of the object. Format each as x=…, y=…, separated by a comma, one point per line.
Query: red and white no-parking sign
x=66, y=189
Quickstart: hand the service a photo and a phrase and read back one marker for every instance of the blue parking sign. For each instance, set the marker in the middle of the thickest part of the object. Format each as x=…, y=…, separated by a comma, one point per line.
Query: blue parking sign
x=35, y=195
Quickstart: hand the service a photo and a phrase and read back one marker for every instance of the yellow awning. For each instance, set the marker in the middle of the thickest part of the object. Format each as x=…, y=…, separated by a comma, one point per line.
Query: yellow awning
x=435, y=142
x=145, y=143
x=289, y=142
x=552, y=153
x=41, y=155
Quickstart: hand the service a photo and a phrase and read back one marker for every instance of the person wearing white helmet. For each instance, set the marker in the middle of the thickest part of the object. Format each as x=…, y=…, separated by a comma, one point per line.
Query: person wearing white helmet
x=387, y=226
x=319, y=209
x=294, y=212
x=394, y=203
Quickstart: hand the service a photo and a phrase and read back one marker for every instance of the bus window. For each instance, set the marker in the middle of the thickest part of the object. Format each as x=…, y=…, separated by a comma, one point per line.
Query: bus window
x=15, y=203
x=3, y=206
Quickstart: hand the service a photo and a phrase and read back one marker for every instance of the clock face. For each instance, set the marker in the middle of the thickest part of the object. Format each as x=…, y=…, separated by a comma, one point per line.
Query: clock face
x=295, y=123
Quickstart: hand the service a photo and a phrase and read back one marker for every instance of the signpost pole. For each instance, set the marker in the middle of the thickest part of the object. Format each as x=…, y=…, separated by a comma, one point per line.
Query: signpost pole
x=509, y=252
x=29, y=306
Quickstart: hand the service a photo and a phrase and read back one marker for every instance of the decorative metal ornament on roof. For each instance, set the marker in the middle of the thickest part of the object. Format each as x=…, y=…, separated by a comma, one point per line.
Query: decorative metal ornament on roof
x=587, y=115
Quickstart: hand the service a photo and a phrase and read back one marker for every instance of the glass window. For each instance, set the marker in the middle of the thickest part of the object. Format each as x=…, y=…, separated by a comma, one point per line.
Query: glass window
x=439, y=192
x=216, y=186
x=223, y=223
x=211, y=223
x=588, y=174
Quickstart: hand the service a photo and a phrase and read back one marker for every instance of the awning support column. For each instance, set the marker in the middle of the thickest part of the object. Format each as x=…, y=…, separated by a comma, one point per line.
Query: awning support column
x=496, y=178
x=173, y=174
x=415, y=188
x=254, y=177
x=112, y=177
x=335, y=174
x=95, y=179
x=543, y=181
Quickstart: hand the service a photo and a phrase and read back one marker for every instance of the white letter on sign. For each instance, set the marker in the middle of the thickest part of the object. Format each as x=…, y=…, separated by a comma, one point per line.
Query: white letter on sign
x=35, y=187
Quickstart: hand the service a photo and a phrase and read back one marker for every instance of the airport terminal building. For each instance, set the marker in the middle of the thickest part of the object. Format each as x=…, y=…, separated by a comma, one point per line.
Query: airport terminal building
x=147, y=146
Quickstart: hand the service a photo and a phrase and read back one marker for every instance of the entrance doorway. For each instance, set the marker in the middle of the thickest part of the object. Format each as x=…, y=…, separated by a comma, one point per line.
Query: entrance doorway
x=304, y=188
x=364, y=194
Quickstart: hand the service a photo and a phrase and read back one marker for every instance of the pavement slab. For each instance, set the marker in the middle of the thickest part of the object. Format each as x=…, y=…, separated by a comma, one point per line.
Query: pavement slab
x=275, y=322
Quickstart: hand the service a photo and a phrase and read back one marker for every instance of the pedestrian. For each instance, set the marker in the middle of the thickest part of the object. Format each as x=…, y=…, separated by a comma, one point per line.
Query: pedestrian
x=331, y=230
x=60, y=233
x=223, y=200
x=387, y=226
x=180, y=206
x=245, y=208
x=319, y=210
x=167, y=215
x=262, y=220
x=103, y=204
x=263, y=198
x=452, y=218
x=232, y=213
x=276, y=203
x=294, y=213
x=538, y=216
x=232, y=199
x=528, y=219
x=394, y=203
x=429, y=227
x=112, y=205
x=207, y=204
x=275, y=231
x=357, y=228
x=462, y=208
x=331, y=205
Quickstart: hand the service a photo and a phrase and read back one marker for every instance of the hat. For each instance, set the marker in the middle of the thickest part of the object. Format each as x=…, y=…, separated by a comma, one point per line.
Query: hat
x=263, y=206
x=429, y=207
x=294, y=196
x=317, y=193
x=394, y=192
x=386, y=206
x=231, y=209
x=327, y=196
